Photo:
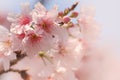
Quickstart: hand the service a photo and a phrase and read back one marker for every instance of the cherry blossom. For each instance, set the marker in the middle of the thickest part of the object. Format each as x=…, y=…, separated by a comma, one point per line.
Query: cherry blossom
x=6, y=53
x=46, y=44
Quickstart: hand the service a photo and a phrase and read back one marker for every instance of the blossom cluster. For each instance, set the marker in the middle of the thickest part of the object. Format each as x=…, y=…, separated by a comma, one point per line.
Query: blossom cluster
x=46, y=44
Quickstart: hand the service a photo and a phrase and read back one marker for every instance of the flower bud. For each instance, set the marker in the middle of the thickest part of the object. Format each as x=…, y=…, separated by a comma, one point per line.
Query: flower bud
x=66, y=19
x=61, y=14
x=74, y=14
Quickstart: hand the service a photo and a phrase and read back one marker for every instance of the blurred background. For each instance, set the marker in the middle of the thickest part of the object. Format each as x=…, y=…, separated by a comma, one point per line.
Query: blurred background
x=107, y=14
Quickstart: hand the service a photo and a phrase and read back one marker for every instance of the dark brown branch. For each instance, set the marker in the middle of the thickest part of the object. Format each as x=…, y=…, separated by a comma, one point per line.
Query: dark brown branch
x=73, y=6
x=19, y=56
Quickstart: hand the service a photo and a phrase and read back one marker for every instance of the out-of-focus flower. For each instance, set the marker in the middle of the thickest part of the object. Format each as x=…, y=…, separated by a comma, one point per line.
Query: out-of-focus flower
x=88, y=26
x=6, y=53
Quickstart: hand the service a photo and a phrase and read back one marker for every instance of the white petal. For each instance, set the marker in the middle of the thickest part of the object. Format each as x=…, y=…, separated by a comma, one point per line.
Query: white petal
x=40, y=7
x=4, y=33
x=6, y=64
x=10, y=76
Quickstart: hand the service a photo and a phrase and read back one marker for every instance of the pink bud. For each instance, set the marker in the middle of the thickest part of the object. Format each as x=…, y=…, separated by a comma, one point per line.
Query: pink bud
x=61, y=13
x=74, y=14
x=66, y=19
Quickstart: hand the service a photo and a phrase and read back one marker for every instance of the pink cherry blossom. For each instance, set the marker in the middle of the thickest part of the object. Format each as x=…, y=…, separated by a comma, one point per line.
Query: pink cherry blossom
x=46, y=44
x=88, y=26
x=6, y=53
